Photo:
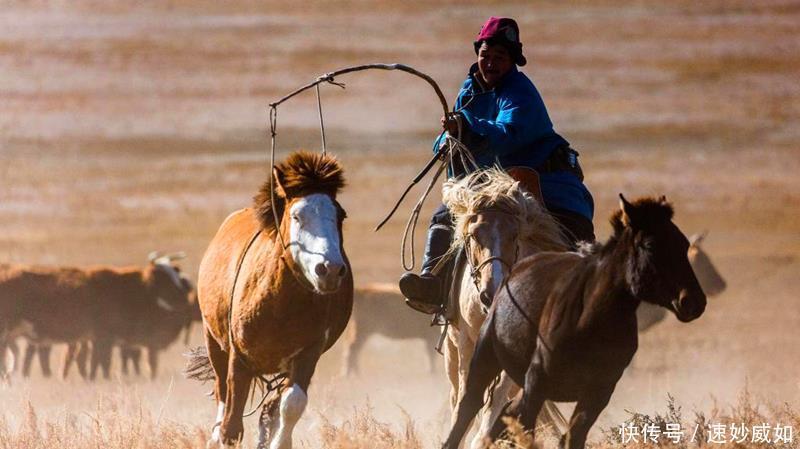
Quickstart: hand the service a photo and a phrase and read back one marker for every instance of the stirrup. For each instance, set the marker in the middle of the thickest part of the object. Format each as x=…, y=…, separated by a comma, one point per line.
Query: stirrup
x=424, y=307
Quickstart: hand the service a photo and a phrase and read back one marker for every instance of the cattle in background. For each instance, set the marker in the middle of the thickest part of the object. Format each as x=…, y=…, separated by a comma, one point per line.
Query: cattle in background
x=49, y=305
x=711, y=281
x=9, y=355
x=380, y=309
x=159, y=332
x=45, y=304
x=154, y=332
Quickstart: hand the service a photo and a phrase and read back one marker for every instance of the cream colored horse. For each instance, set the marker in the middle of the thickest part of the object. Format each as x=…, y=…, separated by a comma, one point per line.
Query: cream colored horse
x=497, y=222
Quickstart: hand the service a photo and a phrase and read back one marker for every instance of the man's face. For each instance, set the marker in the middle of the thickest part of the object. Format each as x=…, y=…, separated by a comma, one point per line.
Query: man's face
x=494, y=62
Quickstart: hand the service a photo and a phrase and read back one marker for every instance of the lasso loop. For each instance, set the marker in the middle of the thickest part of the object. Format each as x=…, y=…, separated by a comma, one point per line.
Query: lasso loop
x=445, y=154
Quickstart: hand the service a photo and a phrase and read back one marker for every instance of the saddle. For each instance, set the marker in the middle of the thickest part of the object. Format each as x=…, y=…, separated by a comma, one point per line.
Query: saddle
x=528, y=178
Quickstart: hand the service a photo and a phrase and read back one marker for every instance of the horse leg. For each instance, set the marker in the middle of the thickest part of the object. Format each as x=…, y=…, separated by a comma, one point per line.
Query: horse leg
x=503, y=391
x=44, y=359
x=528, y=402
x=483, y=368
x=294, y=399
x=30, y=351
x=451, y=366
x=219, y=363
x=268, y=422
x=238, y=388
x=152, y=360
x=551, y=416
x=586, y=412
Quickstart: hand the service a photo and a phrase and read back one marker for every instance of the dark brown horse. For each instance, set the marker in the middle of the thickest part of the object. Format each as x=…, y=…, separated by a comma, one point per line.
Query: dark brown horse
x=564, y=325
x=269, y=308
x=648, y=315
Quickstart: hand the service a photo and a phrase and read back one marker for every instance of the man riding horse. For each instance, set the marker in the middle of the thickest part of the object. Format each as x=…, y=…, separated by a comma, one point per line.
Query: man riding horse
x=503, y=121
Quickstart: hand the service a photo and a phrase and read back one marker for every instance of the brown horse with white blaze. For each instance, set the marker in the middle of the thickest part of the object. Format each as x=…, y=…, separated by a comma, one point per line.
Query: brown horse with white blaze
x=564, y=325
x=271, y=308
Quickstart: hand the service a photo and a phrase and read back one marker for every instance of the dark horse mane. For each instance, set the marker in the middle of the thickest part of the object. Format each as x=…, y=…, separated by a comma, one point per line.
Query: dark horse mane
x=653, y=211
x=301, y=174
x=646, y=214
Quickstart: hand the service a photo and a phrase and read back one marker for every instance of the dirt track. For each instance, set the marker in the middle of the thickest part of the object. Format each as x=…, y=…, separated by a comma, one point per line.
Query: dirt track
x=124, y=131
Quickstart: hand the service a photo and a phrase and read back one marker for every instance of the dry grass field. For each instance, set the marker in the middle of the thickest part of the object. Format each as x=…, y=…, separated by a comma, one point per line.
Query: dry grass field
x=127, y=127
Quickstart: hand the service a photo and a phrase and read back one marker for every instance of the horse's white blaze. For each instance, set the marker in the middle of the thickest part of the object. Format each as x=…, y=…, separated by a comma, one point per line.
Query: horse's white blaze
x=492, y=282
x=314, y=237
x=497, y=266
x=215, y=434
x=293, y=403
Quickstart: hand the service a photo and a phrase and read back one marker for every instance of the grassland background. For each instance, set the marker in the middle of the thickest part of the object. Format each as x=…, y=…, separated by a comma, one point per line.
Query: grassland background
x=128, y=127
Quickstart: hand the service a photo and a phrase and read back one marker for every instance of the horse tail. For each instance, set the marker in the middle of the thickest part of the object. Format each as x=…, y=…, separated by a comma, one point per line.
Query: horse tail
x=198, y=365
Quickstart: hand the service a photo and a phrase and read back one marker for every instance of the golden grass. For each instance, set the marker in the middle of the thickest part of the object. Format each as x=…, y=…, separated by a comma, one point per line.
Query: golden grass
x=362, y=430
x=112, y=426
x=107, y=427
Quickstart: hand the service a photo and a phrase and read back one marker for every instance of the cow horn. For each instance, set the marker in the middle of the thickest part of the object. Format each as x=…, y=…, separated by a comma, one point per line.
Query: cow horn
x=176, y=256
x=698, y=238
x=153, y=256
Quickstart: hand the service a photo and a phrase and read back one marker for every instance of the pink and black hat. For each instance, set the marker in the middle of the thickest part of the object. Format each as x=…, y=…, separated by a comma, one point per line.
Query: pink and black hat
x=505, y=32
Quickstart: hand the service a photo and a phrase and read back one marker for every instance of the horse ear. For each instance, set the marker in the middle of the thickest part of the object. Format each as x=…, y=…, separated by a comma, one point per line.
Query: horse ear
x=627, y=210
x=277, y=182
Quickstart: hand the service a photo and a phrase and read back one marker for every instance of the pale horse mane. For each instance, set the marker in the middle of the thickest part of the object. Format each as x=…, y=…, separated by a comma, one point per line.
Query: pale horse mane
x=493, y=188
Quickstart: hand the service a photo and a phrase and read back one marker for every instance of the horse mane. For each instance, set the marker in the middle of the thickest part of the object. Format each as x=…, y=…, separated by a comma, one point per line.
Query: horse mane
x=302, y=173
x=652, y=210
x=494, y=188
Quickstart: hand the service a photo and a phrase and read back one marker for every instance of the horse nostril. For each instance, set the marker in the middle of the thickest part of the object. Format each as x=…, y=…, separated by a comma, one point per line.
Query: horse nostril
x=342, y=271
x=321, y=269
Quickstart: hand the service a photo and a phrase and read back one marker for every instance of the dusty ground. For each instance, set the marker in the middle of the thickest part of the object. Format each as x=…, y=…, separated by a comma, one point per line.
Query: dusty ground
x=124, y=130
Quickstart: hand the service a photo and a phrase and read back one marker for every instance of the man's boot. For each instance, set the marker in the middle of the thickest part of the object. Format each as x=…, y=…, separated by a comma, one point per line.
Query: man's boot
x=424, y=291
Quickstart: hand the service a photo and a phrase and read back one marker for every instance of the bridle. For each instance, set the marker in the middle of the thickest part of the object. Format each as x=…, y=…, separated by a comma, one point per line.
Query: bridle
x=475, y=270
